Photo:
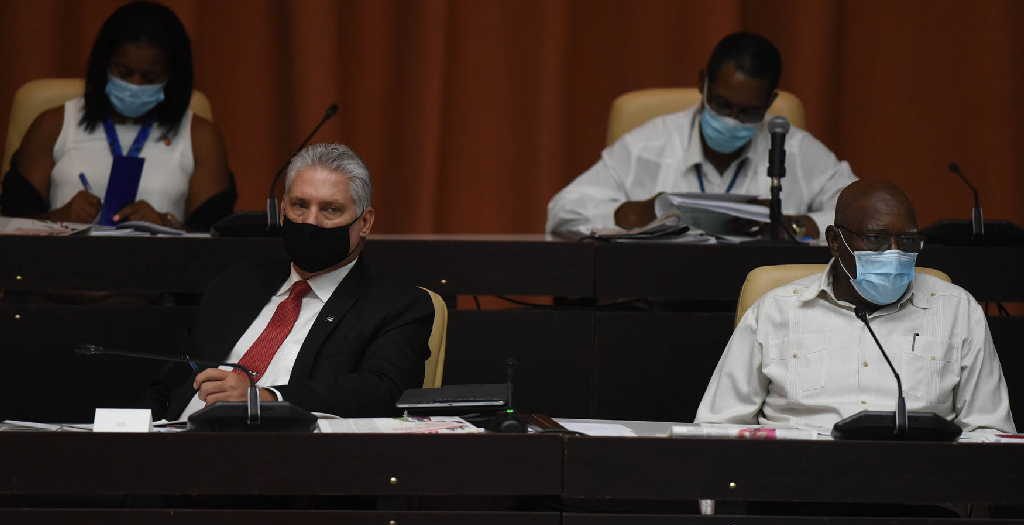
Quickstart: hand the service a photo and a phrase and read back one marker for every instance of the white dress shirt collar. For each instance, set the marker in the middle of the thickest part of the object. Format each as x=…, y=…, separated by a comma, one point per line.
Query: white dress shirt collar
x=323, y=285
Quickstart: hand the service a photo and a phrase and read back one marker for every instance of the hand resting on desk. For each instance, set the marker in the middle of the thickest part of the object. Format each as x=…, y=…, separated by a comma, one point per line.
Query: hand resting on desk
x=214, y=384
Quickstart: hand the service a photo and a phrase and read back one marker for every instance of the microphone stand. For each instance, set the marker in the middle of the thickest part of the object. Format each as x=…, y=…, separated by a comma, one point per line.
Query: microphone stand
x=266, y=223
x=286, y=415
x=901, y=403
x=977, y=219
x=778, y=127
x=880, y=425
x=273, y=220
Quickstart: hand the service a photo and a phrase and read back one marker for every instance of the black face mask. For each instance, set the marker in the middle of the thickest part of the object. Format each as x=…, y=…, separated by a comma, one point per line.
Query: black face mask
x=313, y=248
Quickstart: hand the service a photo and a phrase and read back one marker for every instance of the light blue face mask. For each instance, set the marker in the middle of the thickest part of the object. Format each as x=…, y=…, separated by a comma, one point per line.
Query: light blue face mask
x=724, y=134
x=882, y=277
x=132, y=100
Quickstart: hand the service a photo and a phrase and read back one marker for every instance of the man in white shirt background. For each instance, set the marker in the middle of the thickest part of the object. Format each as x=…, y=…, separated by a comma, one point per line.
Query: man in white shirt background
x=720, y=146
x=800, y=357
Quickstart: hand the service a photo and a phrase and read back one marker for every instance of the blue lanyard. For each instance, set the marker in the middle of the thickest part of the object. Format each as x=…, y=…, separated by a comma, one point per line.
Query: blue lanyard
x=735, y=175
x=115, y=144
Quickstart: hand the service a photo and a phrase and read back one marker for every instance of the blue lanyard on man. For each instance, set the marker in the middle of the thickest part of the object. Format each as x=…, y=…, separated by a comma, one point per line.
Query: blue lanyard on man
x=125, y=171
x=735, y=175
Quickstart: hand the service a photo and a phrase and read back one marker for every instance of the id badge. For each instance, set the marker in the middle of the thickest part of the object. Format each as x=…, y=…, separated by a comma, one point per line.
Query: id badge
x=122, y=187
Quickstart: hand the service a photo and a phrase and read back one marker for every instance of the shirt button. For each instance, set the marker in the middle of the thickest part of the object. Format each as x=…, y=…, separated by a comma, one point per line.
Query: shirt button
x=863, y=402
x=865, y=364
x=794, y=355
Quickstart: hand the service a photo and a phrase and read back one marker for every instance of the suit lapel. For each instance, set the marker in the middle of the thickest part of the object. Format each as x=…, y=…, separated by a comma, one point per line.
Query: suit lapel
x=249, y=301
x=330, y=317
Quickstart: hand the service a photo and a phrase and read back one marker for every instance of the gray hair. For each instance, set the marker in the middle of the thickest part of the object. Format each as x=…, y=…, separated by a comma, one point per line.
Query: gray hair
x=339, y=159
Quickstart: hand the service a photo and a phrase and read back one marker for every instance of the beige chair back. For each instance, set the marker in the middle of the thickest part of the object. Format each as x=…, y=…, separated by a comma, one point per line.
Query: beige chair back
x=765, y=278
x=636, y=107
x=434, y=368
x=42, y=94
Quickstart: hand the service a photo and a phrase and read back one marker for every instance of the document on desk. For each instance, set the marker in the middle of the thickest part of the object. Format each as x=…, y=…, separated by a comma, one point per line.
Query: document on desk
x=398, y=425
x=598, y=429
x=36, y=228
x=723, y=430
x=740, y=206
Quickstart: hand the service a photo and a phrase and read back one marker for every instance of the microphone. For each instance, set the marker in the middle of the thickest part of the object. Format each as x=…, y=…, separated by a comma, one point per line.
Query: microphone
x=977, y=220
x=273, y=220
x=778, y=127
x=901, y=402
x=508, y=421
x=265, y=224
x=223, y=415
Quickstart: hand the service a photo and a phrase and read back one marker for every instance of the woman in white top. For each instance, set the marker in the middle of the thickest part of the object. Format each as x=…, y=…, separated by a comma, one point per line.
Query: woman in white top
x=137, y=92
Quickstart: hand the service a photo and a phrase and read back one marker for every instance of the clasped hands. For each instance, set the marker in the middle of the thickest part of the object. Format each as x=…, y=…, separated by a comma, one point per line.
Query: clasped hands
x=214, y=385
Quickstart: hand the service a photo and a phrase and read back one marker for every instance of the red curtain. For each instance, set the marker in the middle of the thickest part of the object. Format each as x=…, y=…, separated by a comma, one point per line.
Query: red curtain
x=472, y=113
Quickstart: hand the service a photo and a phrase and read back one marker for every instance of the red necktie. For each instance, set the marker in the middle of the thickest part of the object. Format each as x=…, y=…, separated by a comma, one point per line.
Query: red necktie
x=257, y=358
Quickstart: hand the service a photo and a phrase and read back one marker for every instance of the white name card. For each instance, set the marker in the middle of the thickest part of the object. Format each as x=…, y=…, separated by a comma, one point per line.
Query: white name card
x=123, y=420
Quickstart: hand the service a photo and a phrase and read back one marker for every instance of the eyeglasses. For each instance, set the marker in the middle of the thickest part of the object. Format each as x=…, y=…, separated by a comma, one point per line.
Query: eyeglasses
x=878, y=241
x=747, y=115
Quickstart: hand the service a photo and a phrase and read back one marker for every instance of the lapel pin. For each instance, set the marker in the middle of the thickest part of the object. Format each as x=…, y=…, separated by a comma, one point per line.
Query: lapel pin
x=329, y=319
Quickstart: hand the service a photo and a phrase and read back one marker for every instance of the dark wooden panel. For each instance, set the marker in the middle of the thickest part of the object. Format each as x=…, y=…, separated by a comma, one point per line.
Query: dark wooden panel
x=483, y=265
x=447, y=264
x=279, y=464
x=553, y=349
x=655, y=365
x=990, y=273
x=275, y=517
x=664, y=468
x=675, y=271
x=1008, y=336
x=49, y=382
x=669, y=519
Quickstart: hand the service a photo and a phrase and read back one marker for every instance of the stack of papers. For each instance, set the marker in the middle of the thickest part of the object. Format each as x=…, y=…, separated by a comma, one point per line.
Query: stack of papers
x=136, y=229
x=668, y=227
x=398, y=425
x=714, y=213
x=723, y=430
x=32, y=227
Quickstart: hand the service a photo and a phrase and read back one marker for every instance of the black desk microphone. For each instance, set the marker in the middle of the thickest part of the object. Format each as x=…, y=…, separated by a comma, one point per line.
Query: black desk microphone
x=507, y=421
x=977, y=219
x=273, y=221
x=901, y=425
x=901, y=402
x=225, y=415
x=268, y=223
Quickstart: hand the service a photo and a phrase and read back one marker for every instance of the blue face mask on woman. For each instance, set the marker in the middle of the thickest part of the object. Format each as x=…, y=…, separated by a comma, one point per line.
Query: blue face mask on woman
x=132, y=100
x=882, y=277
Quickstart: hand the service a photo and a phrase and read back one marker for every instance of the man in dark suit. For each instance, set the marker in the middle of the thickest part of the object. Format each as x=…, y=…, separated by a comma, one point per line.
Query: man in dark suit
x=316, y=330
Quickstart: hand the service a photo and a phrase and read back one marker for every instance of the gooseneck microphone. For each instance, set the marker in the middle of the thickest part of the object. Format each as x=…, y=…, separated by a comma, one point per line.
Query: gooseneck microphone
x=977, y=219
x=253, y=398
x=901, y=402
x=508, y=421
x=273, y=220
x=778, y=127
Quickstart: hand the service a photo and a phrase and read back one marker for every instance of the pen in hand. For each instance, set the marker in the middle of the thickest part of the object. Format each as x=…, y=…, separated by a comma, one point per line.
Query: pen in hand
x=85, y=183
